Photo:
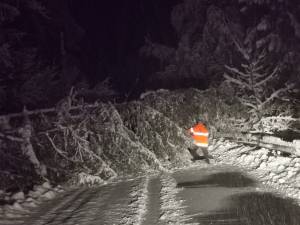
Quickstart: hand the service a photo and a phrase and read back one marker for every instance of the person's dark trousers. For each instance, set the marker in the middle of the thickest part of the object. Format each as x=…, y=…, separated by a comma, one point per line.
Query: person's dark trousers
x=205, y=153
x=194, y=152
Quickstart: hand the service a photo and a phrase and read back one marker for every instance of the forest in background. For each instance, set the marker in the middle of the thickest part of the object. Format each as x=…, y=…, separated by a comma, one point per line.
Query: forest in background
x=244, y=54
x=46, y=49
x=82, y=142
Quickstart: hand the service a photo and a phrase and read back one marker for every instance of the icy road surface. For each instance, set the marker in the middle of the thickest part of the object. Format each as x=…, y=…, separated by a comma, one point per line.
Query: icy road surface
x=214, y=195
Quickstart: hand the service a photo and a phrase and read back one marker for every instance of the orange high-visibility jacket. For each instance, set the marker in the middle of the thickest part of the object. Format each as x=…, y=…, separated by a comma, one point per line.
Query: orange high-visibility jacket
x=200, y=135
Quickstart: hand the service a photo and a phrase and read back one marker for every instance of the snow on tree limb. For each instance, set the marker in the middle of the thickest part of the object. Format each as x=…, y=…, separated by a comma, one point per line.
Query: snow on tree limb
x=11, y=138
x=276, y=94
x=47, y=110
x=236, y=71
x=259, y=75
x=247, y=103
x=239, y=47
x=256, y=99
x=268, y=78
x=59, y=151
x=236, y=81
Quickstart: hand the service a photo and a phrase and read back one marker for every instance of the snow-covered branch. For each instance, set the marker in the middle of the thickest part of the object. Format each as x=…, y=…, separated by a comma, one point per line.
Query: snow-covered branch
x=268, y=78
x=236, y=71
x=236, y=81
x=238, y=45
x=59, y=151
x=253, y=81
x=247, y=103
x=256, y=69
x=276, y=94
x=11, y=138
x=45, y=111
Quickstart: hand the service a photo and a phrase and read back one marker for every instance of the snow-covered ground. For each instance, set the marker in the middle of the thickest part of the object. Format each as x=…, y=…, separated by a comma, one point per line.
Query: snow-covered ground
x=128, y=201
x=18, y=205
x=172, y=208
x=225, y=194
x=120, y=202
x=184, y=196
x=282, y=174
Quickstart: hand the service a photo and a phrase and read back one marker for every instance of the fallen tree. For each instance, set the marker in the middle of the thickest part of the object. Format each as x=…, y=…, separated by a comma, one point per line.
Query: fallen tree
x=105, y=140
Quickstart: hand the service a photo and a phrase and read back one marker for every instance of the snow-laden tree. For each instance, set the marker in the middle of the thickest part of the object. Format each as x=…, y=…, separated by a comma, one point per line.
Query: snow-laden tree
x=213, y=33
x=256, y=82
x=263, y=70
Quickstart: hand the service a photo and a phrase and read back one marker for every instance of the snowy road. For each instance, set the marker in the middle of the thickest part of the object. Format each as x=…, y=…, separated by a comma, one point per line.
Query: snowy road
x=224, y=195
x=213, y=195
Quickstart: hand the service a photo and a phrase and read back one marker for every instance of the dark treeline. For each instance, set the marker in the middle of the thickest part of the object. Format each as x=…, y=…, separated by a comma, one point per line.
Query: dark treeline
x=58, y=56
x=116, y=50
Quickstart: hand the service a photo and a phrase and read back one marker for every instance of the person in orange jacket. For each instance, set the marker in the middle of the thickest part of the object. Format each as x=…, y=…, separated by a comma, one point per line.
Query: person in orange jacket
x=200, y=134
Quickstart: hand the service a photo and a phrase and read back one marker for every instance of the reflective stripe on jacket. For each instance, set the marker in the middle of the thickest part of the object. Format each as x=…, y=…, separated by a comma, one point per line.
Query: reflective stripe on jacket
x=200, y=135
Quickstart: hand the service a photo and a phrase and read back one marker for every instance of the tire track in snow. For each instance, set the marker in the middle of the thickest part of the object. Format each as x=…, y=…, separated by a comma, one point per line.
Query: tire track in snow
x=121, y=203
x=129, y=202
x=173, y=210
x=61, y=210
x=153, y=211
x=42, y=210
x=116, y=207
x=88, y=212
x=138, y=205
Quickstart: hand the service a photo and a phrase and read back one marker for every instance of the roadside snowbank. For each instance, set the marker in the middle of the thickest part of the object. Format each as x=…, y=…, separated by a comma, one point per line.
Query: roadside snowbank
x=280, y=173
x=18, y=205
